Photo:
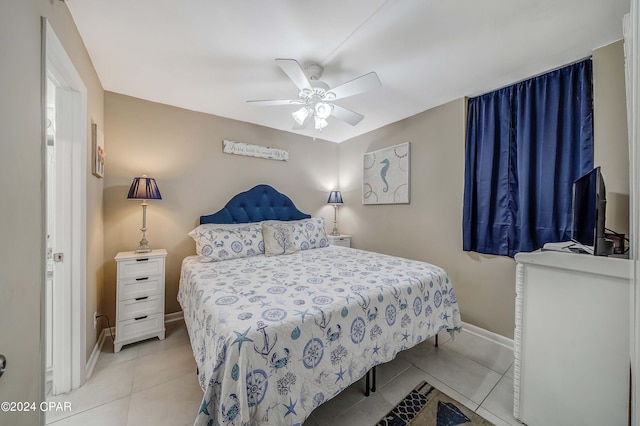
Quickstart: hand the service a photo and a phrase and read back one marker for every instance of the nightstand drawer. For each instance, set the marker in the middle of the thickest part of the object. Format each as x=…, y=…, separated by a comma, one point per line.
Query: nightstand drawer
x=140, y=287
x=344, y=242
x=140, y=267
x=340, y=240
x=140, y=306
x=145, y=324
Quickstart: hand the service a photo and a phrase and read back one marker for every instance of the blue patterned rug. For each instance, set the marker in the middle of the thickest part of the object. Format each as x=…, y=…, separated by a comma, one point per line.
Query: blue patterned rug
x=427, y=406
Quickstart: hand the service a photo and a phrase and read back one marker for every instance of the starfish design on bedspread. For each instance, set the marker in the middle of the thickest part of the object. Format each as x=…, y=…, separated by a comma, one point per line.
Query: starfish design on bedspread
x=203, y=407
x=376, y=349
x=241, y=338
x=347, y=298
x=291, y=408
x=340, y=374
x=302, y=314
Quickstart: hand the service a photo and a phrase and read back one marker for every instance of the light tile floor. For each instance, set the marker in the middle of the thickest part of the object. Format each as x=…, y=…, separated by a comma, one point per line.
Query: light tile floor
x=154, y=383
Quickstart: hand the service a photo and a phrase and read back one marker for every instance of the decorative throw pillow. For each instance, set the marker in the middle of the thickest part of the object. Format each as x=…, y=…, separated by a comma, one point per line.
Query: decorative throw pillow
x=278, y=238
x=215, y=242
x=309, y=233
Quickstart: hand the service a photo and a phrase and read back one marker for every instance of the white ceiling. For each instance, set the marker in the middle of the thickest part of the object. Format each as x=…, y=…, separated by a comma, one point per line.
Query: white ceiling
x=214, y=55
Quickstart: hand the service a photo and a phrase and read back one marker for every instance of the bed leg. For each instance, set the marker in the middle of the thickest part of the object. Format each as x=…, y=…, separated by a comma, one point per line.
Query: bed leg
x=366, y=384
x=373, y=379
x=436, y=340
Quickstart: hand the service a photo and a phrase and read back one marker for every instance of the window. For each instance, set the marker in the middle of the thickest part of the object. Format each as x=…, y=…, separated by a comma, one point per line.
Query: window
x=525, y=145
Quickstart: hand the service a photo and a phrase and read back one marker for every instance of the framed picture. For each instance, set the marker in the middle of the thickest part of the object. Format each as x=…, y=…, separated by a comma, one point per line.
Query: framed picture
x=97, y=142
x=385, y=175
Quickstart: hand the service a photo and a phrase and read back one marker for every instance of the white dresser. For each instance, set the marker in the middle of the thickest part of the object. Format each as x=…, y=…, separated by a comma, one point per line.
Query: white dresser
x=571, y=339
x=340, y=240
x=139, y=297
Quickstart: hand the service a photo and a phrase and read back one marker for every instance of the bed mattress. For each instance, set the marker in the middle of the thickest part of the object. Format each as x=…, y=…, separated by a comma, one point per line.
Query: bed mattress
x=275, y=337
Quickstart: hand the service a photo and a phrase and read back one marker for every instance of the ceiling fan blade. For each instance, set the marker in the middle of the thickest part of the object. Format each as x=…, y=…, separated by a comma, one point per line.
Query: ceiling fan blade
x=293, y=69
x=358, y=85
x=346, y=115
x=273, y=102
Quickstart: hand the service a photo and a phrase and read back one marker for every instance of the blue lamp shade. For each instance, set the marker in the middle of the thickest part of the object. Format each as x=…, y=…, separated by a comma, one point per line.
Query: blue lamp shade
x=144, y=188
x=335, y=198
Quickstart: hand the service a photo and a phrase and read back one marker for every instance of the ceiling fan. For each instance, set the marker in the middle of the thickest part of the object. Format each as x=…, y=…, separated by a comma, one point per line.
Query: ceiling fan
x=316, y=97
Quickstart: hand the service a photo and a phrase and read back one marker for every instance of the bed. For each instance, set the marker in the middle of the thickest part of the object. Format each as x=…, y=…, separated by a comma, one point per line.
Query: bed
x=276, y=334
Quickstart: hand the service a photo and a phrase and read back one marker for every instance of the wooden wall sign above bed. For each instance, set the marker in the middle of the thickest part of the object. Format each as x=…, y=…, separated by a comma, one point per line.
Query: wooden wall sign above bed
x=248, y=150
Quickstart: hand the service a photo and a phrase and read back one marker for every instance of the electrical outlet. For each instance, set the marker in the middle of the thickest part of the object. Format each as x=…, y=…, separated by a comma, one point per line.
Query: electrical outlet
x=95, y=320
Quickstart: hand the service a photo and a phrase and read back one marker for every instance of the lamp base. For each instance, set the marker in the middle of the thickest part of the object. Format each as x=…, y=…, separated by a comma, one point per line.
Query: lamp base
x=143, y=248
x=335, y=232
x=144, y=244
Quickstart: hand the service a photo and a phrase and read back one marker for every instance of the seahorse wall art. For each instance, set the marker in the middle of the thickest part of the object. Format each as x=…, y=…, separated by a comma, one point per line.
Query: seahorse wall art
x=385, y=177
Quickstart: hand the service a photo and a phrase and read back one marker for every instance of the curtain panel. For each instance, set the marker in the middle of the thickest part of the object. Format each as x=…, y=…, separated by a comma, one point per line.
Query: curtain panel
x=525, y=145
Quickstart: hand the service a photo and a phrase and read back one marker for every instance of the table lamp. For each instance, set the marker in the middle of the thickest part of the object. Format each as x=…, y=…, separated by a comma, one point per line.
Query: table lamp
x=144, y=188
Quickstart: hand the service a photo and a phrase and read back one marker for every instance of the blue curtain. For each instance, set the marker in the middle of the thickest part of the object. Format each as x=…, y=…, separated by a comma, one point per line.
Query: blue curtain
x=525, y=146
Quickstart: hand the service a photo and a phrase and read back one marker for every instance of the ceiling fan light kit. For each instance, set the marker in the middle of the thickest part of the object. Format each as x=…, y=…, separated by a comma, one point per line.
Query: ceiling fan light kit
x=320, y=123
x=316, y=96
x=323, y=110
x=301, y=115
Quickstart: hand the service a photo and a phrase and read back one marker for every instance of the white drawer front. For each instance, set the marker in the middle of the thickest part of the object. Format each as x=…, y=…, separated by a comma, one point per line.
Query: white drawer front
x=344, y=242
x=140, y=287
x=141, y=267
x=140, y=306
x=132, y=328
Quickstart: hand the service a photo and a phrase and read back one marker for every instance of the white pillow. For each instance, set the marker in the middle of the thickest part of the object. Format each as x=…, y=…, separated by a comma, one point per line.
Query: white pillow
x=215, y=242
x=306, y=233
x=310, y=233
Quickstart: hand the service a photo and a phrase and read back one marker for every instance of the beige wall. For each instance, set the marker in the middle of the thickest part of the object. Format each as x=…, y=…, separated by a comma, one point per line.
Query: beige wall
x=21, y=209
x=182, y=150
x=22, y=194
x=430, y=228
x=610, y=132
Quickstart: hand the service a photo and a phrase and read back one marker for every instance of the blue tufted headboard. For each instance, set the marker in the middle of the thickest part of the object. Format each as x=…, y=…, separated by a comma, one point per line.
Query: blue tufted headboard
x=262, y=202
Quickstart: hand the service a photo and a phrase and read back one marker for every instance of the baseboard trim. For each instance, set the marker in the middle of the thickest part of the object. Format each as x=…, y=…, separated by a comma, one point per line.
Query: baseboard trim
x=48, y=381
x=174, y=316
x=106, y=333
x=95, y=354
x=487, y=335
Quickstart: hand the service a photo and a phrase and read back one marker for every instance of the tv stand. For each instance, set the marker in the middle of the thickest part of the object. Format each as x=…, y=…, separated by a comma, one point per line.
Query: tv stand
x=565, y=303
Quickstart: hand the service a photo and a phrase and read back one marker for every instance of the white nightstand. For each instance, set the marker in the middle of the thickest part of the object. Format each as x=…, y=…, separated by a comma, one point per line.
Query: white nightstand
x=340, y=240
x=139, y=296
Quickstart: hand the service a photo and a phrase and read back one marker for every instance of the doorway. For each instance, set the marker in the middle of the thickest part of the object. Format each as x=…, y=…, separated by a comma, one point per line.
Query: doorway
x=66, y=153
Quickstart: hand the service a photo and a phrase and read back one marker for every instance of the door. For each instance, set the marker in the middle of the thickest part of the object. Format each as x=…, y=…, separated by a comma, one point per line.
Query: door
x=58, y=283
x=65, y=253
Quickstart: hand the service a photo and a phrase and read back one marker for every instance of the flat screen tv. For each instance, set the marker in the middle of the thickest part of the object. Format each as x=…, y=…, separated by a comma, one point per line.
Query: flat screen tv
x=588, y=214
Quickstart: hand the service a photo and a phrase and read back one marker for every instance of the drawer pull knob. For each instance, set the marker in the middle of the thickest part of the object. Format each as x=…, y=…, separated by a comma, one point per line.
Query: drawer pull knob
x=142, y=298
x=146, y=259
x=139, y=318
x=142, y=279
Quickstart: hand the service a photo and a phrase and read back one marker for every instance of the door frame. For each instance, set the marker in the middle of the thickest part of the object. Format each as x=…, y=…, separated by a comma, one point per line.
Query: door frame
x=631, y=31
x=69, y=325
